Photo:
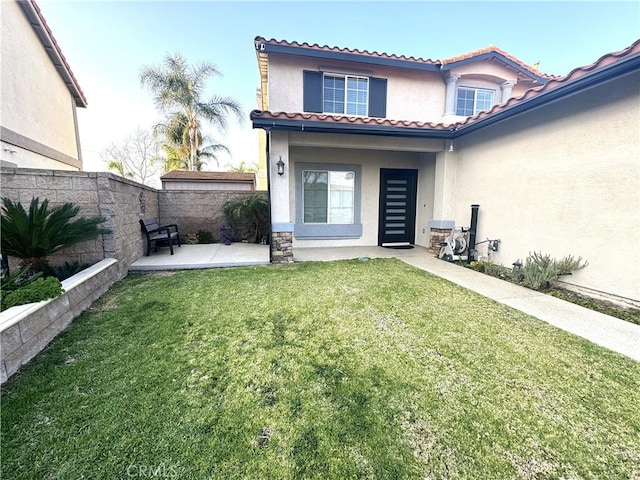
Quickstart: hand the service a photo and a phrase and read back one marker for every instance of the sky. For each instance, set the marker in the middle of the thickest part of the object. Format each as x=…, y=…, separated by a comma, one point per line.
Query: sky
x=107, y=43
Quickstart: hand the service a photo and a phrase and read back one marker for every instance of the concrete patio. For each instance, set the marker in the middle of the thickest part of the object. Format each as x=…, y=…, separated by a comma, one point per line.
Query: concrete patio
x=213, y=255
x=610, y=332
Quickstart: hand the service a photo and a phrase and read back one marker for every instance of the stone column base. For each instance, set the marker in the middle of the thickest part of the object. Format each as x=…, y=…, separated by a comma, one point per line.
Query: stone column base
x=281, y=247
x=437, y=236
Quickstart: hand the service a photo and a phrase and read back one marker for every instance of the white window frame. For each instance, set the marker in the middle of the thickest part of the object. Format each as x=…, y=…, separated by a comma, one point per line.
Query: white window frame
x=475, y=90
x=329, y=207
x=346, y=93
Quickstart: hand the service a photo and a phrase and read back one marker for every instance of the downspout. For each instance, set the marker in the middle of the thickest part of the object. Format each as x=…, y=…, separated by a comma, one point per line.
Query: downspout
x=267, y=132
x=473, y=230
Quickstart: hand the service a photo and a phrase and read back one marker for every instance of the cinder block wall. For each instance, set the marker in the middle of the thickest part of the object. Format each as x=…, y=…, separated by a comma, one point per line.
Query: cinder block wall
x=122, y=201
x=194, y=210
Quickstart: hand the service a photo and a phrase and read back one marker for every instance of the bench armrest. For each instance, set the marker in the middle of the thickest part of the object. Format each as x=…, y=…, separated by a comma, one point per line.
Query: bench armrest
x=170, y=226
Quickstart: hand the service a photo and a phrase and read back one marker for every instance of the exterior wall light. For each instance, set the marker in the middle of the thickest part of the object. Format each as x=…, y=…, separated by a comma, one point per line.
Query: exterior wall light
x=451, y=146
x=280, y=166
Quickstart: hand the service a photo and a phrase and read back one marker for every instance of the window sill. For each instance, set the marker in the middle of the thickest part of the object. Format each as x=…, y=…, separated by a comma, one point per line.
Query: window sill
x=327, y=231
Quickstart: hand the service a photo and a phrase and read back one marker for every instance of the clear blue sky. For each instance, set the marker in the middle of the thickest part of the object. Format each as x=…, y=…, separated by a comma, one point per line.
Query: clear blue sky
x=107, y=43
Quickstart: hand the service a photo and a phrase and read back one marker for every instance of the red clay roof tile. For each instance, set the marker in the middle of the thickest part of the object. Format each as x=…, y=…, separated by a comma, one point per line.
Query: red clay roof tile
x=575, y=74
x=82, y=98
x=327, y=48
x=494, y=49
x=345, y=119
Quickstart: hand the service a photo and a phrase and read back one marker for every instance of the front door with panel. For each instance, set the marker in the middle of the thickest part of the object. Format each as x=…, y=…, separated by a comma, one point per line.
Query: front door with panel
x=398, y=191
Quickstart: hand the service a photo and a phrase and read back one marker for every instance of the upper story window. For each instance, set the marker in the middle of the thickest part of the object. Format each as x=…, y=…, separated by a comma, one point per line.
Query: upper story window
x=470, y=101
x=325, y=92
x=345, y=94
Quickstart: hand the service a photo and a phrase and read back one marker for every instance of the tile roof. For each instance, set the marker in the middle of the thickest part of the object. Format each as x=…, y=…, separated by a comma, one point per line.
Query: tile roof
x=327, y=48
x=494, y=49
x=608, y=60
x=50, y=44
x=208, y=176
x=440, y=62
x=575, y=74
x=348, y=120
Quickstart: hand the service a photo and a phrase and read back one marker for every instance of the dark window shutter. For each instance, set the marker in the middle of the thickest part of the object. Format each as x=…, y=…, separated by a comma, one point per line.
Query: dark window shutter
x=377, y=97
x=312, y=86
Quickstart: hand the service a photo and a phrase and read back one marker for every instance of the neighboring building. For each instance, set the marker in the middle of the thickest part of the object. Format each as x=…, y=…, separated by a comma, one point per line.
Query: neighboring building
x=39, y=94
x=190, y=180
x=382, y=149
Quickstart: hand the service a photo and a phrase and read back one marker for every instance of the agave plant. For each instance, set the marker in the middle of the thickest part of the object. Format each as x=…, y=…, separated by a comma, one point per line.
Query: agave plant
x=35, y=234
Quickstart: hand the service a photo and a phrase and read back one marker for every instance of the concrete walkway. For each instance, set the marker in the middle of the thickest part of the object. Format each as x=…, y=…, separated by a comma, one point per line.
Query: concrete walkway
x=610, y=332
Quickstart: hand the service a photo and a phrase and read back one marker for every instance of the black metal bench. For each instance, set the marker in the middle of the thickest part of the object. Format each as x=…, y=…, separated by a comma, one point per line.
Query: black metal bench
x=159, y=234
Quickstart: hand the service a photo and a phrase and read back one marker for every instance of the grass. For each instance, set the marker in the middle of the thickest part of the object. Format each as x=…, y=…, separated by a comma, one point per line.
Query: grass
x=631, y=315
x=338, y=370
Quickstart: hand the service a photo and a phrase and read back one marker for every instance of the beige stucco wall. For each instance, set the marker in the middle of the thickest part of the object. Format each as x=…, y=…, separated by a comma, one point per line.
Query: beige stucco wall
x=411, y=95
x=372, y=153
x=564, y=179
x=371, y=162
x=35, y=101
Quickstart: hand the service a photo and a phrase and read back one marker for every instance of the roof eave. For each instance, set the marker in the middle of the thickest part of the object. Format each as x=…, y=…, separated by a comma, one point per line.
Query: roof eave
x=328, y=127
x=586, y=82
x=490, y=55
x=37, y=23
x=348, y=57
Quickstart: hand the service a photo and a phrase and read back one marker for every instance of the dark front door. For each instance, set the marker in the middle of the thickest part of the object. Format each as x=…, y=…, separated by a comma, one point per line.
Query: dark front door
x=398, y=189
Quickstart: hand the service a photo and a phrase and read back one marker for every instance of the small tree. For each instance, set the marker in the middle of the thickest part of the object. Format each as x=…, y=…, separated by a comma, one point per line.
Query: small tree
x=134, y=156
x=250, y=212
x=34, y=235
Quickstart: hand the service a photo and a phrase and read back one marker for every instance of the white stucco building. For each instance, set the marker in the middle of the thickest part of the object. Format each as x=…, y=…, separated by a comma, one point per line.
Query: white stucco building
x=39, y=94
x=380, y=149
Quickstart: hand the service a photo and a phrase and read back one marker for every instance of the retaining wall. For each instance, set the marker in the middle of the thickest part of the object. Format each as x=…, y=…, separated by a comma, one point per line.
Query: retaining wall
x=26, y=330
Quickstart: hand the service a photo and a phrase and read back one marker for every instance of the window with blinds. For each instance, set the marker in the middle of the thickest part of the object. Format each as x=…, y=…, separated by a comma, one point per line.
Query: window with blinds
x=345, y=94
x=470, y=101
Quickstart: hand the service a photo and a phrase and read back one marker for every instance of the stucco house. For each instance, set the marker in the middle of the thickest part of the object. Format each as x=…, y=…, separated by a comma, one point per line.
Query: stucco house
x=382, y=149
x=39, y=94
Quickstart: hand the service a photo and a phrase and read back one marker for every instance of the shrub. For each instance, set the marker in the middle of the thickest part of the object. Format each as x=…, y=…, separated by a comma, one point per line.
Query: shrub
x=540, y=270
x=36, y=234
x=204, y=236
x=191, y=238
x=64, y=271
x=249, y=212
x=21, y=288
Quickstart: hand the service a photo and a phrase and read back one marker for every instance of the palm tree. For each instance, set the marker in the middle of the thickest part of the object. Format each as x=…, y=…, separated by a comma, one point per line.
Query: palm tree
x=178, y=90
x=244, y=168
x=35, y=234
x=177, y=149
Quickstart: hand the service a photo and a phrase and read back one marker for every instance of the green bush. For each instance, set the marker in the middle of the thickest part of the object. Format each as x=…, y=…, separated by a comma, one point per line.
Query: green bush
x=64, y=271
x=204, y=236
x=33, y=291
x=540, y=270
x=248, y=216
x=191, y=239
x=35, y=234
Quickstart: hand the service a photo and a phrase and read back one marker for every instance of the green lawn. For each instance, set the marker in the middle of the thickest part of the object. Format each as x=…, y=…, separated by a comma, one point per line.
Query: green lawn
x=354, y=369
